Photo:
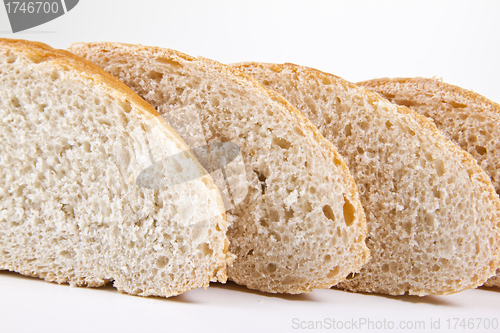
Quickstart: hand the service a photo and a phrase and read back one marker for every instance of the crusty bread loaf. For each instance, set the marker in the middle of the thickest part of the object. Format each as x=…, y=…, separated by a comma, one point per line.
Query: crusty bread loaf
x=77, y=204
x=432, y=213
x=301, y=224
x=470, y=120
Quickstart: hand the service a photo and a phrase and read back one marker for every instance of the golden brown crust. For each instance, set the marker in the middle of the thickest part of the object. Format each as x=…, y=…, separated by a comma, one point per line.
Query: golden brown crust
x=39, y=52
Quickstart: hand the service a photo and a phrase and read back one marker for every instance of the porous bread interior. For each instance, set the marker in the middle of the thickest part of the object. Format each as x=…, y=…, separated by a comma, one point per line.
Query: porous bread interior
x=301, y=226
x=70, y=209
x=432, y=215
x=470, y=120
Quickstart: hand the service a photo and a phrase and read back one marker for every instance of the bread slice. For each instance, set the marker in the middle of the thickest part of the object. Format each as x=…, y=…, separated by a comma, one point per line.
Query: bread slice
x=470, y=120
x=301, y=224
x=432, y=213
x=77, y=204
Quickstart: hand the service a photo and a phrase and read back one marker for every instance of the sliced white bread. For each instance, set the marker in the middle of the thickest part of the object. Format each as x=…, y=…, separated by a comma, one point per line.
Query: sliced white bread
x=301, y=224
x=432, y=212
x=470, y=120
x=75, y=145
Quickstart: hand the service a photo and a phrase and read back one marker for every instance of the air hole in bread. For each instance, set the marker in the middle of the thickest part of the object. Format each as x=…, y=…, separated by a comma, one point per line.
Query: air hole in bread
x=54, y=75
x=440, y=168
x=161, y=262
x=328, y=118
x=86, y=146
x=327, y=210
x=104, y=121
x=11, y=57
x=472, y=138
x=348, y=130
x=68, y=210
x=311, y=104
x=206, y=250
x=14, y=102
x=215, y=102
x=290, y=279
x=275, y=236
x=333, y=272
x=274, y=215
x=364, y=125
x=308, y=207
x=327, y=259
x=349, y=212
x=326, y=80
x=457, y=105
x=405, y=102
x=169, y=62
x=65, y=254
x=271, y=268
x=155, y=76
x=407, y=227
x=282, y=143
x=481, y=150
x=262, y=178
x=388, y=124
x=299, y=131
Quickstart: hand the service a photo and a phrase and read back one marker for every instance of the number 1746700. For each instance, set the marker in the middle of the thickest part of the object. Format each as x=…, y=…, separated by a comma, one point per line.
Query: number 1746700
x=472, y=323
x=32, y=7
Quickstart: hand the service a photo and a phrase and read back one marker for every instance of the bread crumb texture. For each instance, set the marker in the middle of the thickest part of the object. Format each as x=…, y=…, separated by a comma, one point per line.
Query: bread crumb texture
x=432, y=213
x=73, y=141
x=470, y=120
x=300, y=224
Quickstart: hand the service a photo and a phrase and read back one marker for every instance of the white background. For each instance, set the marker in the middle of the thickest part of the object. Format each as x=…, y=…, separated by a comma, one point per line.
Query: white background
x=458, y=41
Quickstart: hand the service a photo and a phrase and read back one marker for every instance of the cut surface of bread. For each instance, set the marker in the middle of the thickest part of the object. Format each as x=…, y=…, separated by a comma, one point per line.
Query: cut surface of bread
x=432, y=212
x=73, y=142
x=470, y=120
x=300, y=224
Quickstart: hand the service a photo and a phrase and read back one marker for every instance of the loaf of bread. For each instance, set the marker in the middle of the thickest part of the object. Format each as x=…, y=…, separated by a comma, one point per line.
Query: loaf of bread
x=470, y=120
x=301, y=224
x=432, y=212
x=95, y=187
